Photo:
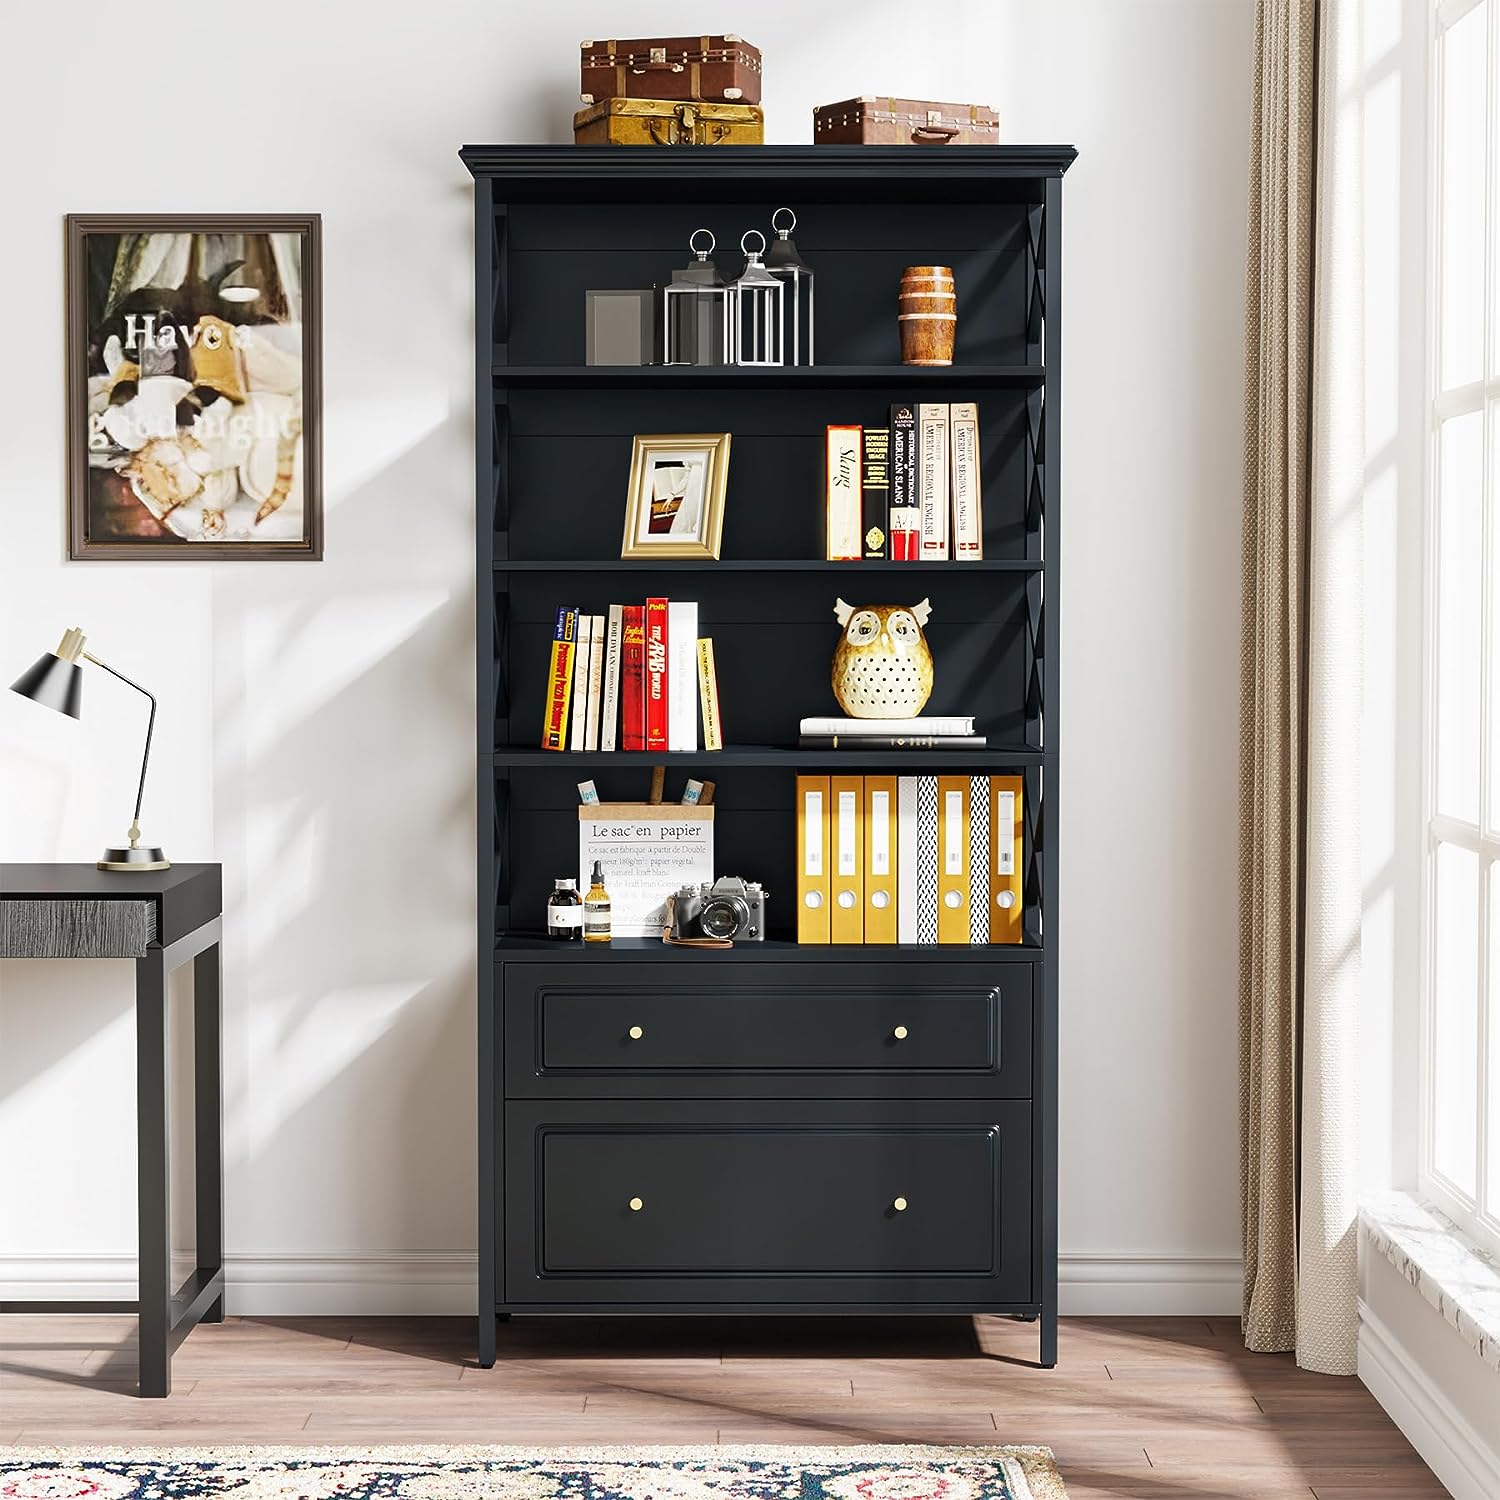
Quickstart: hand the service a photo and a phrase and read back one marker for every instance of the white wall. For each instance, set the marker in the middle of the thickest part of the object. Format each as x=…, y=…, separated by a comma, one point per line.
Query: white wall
x=315, y=733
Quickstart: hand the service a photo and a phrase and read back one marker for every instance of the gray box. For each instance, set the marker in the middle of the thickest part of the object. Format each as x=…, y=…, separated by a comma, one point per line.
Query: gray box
x=620, y=327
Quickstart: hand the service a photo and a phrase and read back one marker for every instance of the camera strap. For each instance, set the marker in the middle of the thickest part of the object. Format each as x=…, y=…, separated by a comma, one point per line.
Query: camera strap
x=681, y=942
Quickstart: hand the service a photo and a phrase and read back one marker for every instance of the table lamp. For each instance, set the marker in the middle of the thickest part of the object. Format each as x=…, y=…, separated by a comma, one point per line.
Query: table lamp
x=56, y=681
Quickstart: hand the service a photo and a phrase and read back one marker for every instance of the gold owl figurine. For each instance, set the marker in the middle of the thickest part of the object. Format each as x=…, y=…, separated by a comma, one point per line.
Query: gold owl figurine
x=882, y=668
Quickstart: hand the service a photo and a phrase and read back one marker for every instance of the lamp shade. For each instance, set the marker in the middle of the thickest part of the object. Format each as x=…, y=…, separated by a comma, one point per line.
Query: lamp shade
x=54, y=683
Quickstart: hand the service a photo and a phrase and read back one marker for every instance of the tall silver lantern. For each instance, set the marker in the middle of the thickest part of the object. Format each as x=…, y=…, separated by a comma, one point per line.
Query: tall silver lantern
x=756, y=301
x=695, y=325
x=788, y=267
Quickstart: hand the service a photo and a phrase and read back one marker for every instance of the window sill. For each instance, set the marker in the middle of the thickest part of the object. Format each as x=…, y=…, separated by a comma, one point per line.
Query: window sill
x=1459, y=1281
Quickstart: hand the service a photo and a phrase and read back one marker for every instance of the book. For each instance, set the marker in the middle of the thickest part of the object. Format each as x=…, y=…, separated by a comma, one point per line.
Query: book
x=633, y=677
x=904, y=515
x=875, y=490
x=596, y=681
x=841, y=494
x=609, y=714
x=708, y=691
x=560, y=680
x=932, y=480
x=581, y=681
x=944, y=724
x=893, y=742
x=657, y=676
x=682, y=658
x=965, y=493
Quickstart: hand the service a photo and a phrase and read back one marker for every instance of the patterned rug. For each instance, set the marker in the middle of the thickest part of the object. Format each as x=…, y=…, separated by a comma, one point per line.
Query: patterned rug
x=864, y=1473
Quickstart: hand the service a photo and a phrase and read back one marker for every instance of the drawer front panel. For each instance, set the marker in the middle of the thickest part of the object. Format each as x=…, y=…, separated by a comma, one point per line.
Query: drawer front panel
x=660, y=1203
x=648, y=1028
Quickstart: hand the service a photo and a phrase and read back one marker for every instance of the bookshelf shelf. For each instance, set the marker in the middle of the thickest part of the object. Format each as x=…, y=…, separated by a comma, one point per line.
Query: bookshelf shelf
x=969, y=1102
x=894, y=377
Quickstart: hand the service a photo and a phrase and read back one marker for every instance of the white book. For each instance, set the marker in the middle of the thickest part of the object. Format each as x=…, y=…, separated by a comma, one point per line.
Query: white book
x=906, y=859
x=609, y=717
x=940, y=724
x=581, y=681
x=596, y=680
x=932, y=480
x=965, y=494
x=682, y=675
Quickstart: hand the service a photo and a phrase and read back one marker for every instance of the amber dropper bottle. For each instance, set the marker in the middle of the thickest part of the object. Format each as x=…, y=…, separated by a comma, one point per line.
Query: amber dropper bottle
x=596, y=908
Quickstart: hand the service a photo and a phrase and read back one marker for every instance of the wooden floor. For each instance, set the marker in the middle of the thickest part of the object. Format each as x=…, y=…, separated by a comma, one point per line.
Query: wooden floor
x=1155, y=1409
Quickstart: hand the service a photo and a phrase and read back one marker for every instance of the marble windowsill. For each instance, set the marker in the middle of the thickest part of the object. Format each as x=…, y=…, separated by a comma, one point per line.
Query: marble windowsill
x=1460, y=1281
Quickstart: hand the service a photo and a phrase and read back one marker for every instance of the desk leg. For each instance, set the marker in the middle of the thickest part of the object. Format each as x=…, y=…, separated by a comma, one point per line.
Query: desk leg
x=208, y=1115
x=154, y=1227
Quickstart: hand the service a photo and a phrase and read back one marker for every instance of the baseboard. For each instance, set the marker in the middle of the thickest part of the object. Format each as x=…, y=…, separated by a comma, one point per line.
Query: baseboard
x=438, y=1283
x=1448, y=1444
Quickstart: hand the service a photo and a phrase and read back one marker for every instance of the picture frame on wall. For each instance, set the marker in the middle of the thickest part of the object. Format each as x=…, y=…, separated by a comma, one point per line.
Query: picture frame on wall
x=194, y=370
x=675, y=506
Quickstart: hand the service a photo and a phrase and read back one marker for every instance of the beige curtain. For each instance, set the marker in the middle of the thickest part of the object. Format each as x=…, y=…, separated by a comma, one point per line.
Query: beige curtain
x=1299, y=835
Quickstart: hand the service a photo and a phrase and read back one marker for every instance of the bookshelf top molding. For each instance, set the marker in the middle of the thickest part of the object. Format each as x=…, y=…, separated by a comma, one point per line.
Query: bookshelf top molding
x=522, y=172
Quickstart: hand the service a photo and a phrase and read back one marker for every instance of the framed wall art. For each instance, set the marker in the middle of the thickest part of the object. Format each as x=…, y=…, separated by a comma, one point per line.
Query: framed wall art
x=675, y=507
x=194, y=386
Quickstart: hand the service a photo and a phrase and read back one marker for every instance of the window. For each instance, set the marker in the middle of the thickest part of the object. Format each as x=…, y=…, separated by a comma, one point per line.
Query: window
x=1460, y=1149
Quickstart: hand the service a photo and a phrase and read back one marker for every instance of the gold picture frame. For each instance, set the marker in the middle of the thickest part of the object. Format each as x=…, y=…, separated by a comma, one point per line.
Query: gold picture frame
x=675, y=506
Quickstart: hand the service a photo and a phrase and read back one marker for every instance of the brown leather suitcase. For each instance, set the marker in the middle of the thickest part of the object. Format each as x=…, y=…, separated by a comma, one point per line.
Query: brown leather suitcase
x=873, y=121
x=666, y=122
x=707, y=69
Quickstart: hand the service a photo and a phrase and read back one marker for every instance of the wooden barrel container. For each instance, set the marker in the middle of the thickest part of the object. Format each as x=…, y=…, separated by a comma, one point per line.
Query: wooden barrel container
x=928, y=315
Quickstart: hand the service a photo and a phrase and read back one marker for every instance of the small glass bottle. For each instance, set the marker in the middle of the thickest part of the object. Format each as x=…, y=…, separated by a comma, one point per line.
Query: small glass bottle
x=565, y=912
x=596, y=909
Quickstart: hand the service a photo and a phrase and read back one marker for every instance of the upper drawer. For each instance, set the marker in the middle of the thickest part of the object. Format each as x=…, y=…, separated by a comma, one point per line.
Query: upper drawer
x=917, y=1030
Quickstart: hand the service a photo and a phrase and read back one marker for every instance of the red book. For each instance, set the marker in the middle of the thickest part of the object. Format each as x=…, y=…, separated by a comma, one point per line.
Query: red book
x=633, y=678
x=656, y=674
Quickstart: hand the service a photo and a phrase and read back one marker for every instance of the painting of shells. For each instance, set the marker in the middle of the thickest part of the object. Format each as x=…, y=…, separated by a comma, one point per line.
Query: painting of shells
x=194, y=392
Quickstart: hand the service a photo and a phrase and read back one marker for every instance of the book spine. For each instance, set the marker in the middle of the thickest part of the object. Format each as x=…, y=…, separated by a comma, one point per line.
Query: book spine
x=841, y=493
x=560, y=680
x=633, y=678
x=875, y=491
x=596, y=681
x=937, y=724
x=581, y=681
x=968, y=508
x=904, y=515
x=609, y=718
x=682, y=695
x=708, y=691
x=932, y=480
x=893, y=742
x=657, y=686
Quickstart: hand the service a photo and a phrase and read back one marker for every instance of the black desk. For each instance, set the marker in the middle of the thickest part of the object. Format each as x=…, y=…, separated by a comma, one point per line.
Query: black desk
x=161, y=919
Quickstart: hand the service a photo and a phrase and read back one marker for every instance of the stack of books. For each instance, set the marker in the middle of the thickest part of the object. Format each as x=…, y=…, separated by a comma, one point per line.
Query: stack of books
x=927, y=732
x=910, y=859
x=638, y=677
x=909, y=491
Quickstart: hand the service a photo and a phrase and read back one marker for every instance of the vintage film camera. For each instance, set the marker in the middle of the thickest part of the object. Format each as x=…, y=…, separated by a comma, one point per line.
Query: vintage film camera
x=730, y=909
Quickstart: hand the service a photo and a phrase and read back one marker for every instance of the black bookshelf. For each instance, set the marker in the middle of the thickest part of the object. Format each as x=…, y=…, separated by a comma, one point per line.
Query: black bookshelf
x=733, y=1131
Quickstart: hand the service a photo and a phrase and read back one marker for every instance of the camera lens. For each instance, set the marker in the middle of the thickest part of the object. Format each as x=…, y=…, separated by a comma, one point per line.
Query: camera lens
x=723, y=916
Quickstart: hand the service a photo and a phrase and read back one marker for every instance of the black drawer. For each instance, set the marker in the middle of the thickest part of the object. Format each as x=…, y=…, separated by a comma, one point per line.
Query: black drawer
x=948, y=1029
x=768, y=1203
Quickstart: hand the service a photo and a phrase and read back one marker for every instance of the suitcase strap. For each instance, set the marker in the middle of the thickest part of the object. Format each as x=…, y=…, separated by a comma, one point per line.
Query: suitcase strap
x=686, y=128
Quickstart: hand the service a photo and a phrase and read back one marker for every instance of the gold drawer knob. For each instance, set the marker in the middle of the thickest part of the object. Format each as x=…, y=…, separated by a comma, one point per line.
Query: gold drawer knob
x=899, y=1205
x=637, y=1032
x=899, y=1033
x=636, y=1205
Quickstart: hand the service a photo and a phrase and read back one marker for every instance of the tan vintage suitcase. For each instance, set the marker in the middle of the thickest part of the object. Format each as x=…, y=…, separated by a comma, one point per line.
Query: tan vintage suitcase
x=871, y=121
x=666, y=122
x=707, y=69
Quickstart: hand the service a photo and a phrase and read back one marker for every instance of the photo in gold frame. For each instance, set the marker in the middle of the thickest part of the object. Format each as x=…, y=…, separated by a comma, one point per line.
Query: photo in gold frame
x=675, y=506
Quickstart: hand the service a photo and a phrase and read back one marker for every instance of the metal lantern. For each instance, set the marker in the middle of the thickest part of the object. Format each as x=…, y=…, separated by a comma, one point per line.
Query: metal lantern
x=695, y=326
x=788, y=267
x=756, y=301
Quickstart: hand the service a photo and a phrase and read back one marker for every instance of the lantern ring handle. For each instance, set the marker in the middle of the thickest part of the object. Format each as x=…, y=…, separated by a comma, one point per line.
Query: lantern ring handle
x=693, y=242
x=745, y=248
x=777, y=227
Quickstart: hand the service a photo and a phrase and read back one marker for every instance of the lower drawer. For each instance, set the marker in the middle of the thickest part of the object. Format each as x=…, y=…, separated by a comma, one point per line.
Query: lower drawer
x=768, y=1202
